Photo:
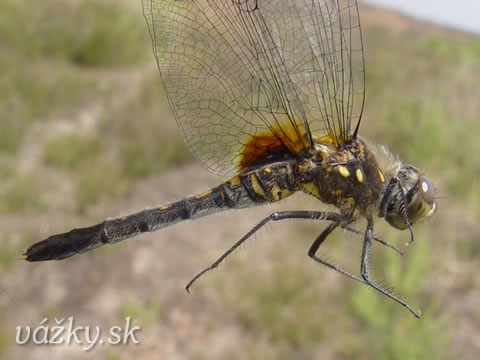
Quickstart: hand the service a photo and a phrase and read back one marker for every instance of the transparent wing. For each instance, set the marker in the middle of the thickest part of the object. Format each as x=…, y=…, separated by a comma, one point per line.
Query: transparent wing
x=234, y=70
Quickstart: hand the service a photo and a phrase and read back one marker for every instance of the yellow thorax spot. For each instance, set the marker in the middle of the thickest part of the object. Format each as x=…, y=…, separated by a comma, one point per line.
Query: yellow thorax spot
x=278, y=194
x=359, y=175
x=256, y=185
x=343, y=171
x=310, y=188
x=268, y=170
x=380, y=174
x=165, y=207
x=349, y=199
x=338, y=192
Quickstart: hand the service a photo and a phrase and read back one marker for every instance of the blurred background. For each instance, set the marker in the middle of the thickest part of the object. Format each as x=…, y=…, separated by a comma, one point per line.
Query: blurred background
x=87, y=134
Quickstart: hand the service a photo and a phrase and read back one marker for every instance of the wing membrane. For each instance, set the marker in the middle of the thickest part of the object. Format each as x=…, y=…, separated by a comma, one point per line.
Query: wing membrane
x=238, y=69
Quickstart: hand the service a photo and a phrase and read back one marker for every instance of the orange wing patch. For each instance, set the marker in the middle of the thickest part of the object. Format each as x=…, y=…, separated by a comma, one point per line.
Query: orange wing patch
x=258, y=147
x=284, y=137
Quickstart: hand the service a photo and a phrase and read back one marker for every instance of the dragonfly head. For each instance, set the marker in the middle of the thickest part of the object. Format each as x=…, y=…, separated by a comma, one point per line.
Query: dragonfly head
x=409, y=198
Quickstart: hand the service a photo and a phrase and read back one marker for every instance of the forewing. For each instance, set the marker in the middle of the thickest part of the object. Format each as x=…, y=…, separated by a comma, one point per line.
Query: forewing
x=326, y=64
x=239, y=69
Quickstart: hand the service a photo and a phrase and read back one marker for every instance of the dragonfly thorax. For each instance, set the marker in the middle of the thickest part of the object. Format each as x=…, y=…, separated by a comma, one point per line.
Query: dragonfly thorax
x=347, y=176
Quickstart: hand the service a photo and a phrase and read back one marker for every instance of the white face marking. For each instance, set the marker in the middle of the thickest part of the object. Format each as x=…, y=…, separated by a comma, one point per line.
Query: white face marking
x=424, y=186
x=431, y=210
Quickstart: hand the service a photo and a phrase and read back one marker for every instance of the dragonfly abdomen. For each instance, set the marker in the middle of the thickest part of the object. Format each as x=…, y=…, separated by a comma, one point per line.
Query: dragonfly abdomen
x=77, y=241
x=266, y=184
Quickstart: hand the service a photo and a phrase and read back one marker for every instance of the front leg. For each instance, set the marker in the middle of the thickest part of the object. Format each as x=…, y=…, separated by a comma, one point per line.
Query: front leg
x=319, y=241
x=365, y=264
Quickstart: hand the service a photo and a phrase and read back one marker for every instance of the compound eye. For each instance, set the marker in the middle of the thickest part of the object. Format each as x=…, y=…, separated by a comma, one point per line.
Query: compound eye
x=426, y=190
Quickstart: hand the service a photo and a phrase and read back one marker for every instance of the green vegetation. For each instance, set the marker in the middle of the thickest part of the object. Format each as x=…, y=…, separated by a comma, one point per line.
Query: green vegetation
x=148, y=142
x=149, y=139
x=45, y=45
x=96, y=181
x=398, y=336
x=455, y=51
x=73, y=52
x=52, y=311
x=20, y=193
x=94, y=176
x=8, y=255
x=146, y=314
x=5, y=340
x=110, y=355
x=86, y=32
x=284, y=304
x=435, y=125
x=69, y=151
x=38, y=91
x=271, y=306
x=296, y=307
x=142, y=160
x=6, y=169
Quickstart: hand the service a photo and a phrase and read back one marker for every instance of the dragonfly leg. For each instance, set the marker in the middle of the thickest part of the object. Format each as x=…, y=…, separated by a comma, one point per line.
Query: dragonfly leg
x=364, y=269
x=276, y=216
x=319, y=241
x=383, y=242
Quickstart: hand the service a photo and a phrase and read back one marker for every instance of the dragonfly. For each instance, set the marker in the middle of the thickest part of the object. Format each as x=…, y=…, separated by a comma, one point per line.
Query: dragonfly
x=269, y=93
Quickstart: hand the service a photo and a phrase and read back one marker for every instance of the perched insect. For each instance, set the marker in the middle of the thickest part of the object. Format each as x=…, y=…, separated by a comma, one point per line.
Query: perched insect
x=270, y=92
